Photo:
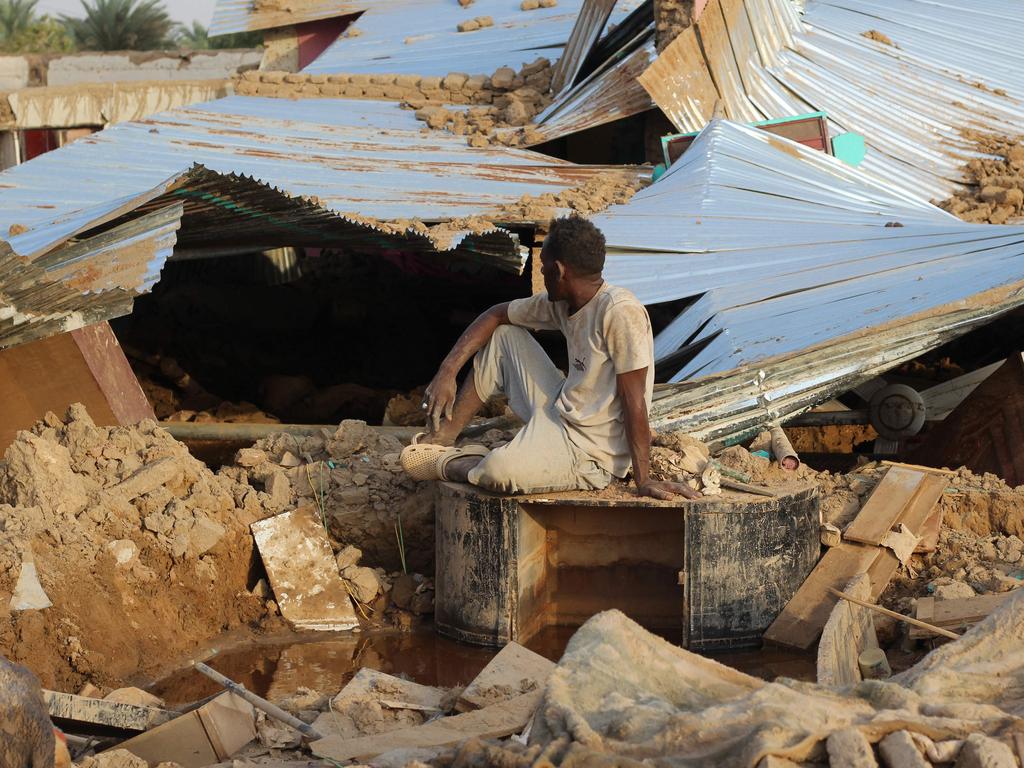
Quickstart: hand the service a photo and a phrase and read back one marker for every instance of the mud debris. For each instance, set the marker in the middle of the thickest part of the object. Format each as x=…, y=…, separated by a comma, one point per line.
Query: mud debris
x=995, y=185
x=879, y=37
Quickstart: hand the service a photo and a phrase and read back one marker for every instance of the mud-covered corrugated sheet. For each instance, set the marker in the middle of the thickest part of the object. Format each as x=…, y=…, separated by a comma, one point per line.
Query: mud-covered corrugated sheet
x=249, y=15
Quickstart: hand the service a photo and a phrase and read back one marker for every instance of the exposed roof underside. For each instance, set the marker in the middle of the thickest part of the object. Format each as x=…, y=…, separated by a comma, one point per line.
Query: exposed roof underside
x=250, y=15
x=952, y=66
x=247, y=172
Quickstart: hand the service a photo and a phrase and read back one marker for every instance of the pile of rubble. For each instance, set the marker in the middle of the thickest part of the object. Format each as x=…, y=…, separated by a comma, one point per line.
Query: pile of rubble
x=353, y=476
x=995, y=194
x=126, y=530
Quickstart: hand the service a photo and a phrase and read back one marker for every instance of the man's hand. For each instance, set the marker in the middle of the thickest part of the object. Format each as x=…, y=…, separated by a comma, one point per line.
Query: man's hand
x=440, y=398
x=666, y=490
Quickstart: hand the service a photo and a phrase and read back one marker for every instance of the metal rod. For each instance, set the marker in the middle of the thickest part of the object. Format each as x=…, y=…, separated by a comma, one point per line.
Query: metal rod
x=260, y=703
x=897, y=616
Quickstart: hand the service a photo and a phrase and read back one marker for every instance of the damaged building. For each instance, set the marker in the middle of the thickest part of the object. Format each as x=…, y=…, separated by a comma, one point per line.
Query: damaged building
x=222, y=295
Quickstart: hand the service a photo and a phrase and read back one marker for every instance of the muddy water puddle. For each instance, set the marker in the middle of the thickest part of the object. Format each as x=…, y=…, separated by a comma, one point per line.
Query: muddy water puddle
x=277, y=668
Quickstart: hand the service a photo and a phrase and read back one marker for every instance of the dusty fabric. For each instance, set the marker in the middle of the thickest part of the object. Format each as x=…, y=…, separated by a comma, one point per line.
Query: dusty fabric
x=620, y=691
x=541, y=456
x=608, y=336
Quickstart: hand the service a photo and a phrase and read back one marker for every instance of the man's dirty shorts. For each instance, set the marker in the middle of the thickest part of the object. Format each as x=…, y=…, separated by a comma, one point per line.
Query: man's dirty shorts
x=541, y=457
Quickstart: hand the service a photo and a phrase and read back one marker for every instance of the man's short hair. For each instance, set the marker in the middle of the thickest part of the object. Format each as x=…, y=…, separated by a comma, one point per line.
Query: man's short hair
x=577, y=243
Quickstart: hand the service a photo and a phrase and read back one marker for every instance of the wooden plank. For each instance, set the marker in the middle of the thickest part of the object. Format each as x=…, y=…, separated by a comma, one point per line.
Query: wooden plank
x=114, y=375
x=505, y=676
x=850, y=629
x=205, y=736
x=302, y=571
x=914, y=515
x=958, y=613
x=884, y=506
x=805, y=616
x=493, y=722
x=82, y=709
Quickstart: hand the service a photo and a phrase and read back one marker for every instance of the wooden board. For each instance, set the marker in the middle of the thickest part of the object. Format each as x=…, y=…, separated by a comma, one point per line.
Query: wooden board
x=884, y=506
x=205, y=736
x=303, y=572
x=914, y=516
x=493, y=722
x=85, y=366
x=959, y=613
x=850, y=629
x=805, y=616
x=505, y=676
x=69, y=708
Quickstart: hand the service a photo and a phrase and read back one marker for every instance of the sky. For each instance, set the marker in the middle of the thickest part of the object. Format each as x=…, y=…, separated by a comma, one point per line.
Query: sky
x=185, y=11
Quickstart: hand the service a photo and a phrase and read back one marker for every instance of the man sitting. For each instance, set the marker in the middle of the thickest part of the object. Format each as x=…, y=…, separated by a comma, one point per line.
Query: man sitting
x=582, y=428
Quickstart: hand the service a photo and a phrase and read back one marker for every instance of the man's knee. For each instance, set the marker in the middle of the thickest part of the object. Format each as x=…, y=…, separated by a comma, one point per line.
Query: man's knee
x=508, y=336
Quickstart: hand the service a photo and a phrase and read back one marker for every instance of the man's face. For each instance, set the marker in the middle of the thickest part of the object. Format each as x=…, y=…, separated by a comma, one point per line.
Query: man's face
x=552, y=273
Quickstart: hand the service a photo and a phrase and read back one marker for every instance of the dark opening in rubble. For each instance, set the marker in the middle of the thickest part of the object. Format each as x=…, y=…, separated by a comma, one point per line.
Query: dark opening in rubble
x=305, y=336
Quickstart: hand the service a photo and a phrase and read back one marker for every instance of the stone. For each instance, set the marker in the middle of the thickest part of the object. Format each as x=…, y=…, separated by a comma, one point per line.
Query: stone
x=363, y=583
x=114, y=758
x=529, y=5
x=849, y=748
x=956, y=589
x=534, y=67
x=279, y=489
x=274, y=77
x=468, y=26
x=204, y=535
x=407, y=81
x=454, y=81
x=981, y=751
x=516, y=113
x=899, y=750
x=503, y=77
x=548, y=3
x=437, y=118
x=262, y=589
x=125, y=551
x=485, y=21
x=774, y=761
x=350, y=555
x=135, y=696
x=250, y=457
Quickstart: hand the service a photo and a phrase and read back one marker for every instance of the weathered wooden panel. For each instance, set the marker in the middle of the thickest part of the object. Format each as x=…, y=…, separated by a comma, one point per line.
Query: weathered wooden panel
x=848, y=631
x=85, y=366
x=69, y=709
x=986, y=431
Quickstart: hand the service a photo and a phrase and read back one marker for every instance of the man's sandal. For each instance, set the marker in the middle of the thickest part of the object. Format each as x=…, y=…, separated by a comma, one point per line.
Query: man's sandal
x=426, y=461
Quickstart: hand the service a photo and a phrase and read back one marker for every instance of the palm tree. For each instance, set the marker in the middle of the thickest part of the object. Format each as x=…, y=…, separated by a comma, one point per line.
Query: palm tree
x=195, y=37
x=16, y=16
x=121, y=25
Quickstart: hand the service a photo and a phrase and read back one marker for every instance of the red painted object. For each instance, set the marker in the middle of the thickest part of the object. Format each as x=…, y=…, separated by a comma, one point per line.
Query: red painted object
x=316, y=36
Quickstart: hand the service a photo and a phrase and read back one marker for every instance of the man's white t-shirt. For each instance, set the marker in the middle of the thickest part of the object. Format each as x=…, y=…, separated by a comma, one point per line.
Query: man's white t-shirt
x=610, y=335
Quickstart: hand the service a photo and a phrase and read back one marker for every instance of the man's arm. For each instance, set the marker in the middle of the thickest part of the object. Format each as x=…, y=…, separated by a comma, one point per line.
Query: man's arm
x=440, y=394
x=631, y=388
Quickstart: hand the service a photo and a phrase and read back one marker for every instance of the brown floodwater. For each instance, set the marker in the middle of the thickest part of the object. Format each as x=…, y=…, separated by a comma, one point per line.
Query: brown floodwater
x=277, y=668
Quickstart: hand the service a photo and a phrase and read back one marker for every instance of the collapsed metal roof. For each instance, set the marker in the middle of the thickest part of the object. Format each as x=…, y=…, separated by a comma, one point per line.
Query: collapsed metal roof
x=250, y=15
x=928, y=71
x=247, y=172
x=420, y=37
x=787, y=251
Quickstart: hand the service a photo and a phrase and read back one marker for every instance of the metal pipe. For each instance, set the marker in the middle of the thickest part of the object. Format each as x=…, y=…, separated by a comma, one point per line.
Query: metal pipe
x=828, y=418
x=250, y=432
x=260, y=703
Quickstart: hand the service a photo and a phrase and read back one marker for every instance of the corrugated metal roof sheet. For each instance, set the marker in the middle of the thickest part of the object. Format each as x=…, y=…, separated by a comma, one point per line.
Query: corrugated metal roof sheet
x=83, y=281
x=610, y=93
x=589, y=24
x=244, y=15
x=355, y=159
x=953, y=66
x=787, y=249
x=420, y=37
